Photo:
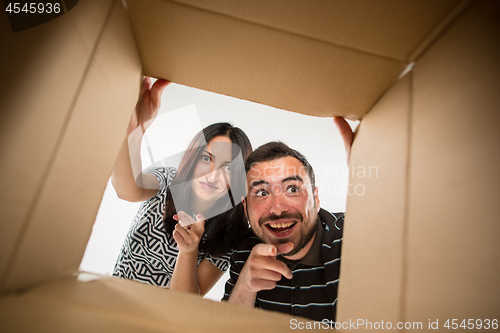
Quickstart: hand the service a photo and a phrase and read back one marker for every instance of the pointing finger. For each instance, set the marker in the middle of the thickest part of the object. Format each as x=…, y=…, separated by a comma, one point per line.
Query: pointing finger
x=271, y=251
x=284, y=248
x=265, y=250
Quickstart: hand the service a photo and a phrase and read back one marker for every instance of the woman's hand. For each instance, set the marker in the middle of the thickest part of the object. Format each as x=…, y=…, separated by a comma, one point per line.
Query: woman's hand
x=148, y=104
x=188, y=232
x=127, y=177
x=346, y=134
x=188, y=276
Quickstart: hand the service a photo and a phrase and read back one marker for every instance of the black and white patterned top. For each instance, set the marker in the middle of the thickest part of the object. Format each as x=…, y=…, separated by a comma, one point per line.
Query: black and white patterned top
x=149, y=253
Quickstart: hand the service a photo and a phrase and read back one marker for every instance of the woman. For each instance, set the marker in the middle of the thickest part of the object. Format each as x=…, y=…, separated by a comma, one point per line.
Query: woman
x=190, y=255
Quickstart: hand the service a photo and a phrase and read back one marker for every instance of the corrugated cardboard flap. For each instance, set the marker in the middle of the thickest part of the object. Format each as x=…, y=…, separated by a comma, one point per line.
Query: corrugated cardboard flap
x=60, y=137
x=118, y=305
x=307, y=57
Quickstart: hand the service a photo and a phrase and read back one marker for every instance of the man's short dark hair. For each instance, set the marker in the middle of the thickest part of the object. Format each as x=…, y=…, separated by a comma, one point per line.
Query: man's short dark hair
x=275, y=150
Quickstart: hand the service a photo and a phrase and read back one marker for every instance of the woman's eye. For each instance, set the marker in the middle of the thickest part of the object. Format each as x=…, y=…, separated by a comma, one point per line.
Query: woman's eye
x=227, y=167
x=205, y=158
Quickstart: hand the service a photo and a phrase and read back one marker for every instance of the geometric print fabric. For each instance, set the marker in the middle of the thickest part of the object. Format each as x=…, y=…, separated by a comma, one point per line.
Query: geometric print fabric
x=149, y=254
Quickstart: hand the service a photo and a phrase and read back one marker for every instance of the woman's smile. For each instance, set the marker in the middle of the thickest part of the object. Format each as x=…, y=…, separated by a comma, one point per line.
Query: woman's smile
x=208, y=186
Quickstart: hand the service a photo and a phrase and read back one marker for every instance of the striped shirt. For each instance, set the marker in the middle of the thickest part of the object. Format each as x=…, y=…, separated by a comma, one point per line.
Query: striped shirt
x=312, y=291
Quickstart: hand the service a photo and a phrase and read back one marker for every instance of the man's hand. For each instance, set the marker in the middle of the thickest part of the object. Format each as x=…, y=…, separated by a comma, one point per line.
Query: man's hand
x=261, y=272
x=346, y=133
x=148, y=104
x=188, y=232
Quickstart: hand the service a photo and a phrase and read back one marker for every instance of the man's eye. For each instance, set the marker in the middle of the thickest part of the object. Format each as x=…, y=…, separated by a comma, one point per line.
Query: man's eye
x=292, y=190
x=261, y=193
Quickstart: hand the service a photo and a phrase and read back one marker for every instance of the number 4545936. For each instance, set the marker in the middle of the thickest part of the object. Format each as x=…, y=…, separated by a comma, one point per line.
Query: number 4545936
x=34, y=7
x=471, y=324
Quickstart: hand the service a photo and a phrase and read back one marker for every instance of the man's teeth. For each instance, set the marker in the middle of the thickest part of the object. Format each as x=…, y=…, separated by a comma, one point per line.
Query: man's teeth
x=280, y=225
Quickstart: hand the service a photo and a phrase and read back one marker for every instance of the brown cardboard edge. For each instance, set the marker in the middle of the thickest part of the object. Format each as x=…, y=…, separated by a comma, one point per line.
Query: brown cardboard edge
x=343, y=108
x=439, y=29
x=54, y=269
x=455, y=62
x=104, y=298
x=428, y=41
x=402, y=113
x=354, y=49
x=26, y=223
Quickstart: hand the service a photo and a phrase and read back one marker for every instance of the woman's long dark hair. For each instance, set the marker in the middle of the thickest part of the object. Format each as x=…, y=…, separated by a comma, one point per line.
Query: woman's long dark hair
x=225, y=231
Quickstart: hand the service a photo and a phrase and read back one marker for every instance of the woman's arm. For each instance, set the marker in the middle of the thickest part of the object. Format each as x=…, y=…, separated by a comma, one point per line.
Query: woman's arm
x=208, y=275
x=196, y=280
x=128, y=162
x=123, y=179
x=188, y=276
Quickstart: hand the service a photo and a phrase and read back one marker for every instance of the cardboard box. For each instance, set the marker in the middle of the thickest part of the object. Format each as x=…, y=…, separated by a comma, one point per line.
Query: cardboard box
x=75, y=304
x=413, y=250
x=421, y=243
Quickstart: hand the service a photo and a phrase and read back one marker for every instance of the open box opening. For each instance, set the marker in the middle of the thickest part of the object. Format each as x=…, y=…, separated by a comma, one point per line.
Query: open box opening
x=184, y=112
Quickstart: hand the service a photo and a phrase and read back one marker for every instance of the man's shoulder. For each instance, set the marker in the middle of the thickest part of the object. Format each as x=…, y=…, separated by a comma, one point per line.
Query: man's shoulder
x=332, y=242
x=333, y=223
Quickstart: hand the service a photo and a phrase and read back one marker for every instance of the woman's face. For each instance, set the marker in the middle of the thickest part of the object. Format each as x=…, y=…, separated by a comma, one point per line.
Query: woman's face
x=211, y=175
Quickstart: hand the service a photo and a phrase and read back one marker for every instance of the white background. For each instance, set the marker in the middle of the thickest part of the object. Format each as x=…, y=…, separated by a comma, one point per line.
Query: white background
x=184, y=112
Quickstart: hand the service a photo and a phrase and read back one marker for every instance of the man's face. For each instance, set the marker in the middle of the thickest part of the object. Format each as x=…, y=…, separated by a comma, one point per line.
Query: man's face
x=280, y=204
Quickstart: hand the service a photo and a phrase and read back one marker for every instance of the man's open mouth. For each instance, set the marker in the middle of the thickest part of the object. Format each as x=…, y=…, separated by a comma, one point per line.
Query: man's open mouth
x=280, y=227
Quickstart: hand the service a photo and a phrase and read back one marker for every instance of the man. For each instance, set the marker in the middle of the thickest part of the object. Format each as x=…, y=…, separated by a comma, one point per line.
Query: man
x=290, y=262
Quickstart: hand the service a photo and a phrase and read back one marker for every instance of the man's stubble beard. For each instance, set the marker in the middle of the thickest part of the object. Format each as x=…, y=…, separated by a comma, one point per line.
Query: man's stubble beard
x=304, y=235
